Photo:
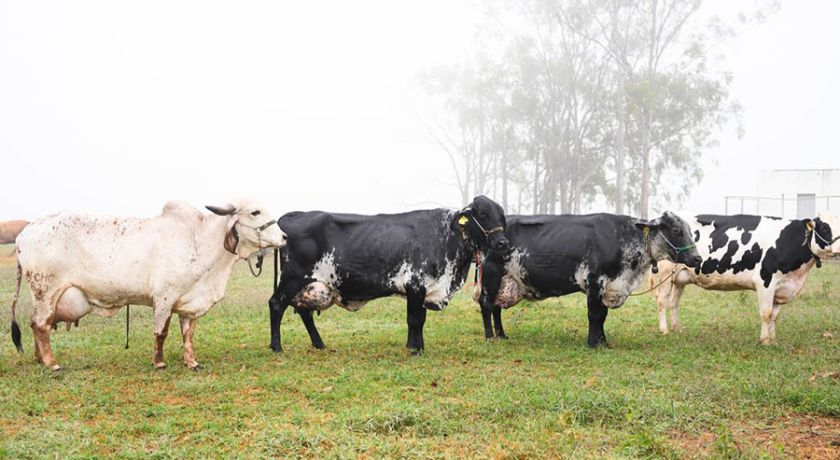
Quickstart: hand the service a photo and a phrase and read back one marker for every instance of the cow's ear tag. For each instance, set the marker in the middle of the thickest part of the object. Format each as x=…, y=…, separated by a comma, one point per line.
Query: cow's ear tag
x=810, y=225
x=463, y=220
x=646, y=231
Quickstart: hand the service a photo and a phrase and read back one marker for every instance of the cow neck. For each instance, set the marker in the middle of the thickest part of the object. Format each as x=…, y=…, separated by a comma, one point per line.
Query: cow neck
x=214, y=260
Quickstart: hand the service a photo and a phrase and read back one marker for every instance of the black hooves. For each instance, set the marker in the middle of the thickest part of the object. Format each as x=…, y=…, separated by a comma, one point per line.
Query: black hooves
x=416, y=351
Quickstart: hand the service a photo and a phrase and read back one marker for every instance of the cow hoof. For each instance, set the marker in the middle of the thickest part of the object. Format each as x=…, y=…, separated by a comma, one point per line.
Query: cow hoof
x=277, y=349
x=194, y=367
x=56, y=368
x=159, y=366
x=502, y=337
x=416, y=351
x=319, y=346
x=663, y=332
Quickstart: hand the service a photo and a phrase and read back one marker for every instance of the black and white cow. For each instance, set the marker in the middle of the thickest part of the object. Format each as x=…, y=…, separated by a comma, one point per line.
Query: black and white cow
x=604, y=255
x=766, y=254
x=349, y=259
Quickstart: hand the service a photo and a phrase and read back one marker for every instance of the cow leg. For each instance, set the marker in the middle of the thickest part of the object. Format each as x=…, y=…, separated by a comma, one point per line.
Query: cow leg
x=664, y=294
x=416, y=318
x=277, y=306
x=497, y=320
x=490, y=281
x=597, y=313
x=765, y=311
x=309, y=322
x=777, y=308
x=276, y=310
x=676, y=294
x=43, y=349
x=187, y=331
x=161, y=329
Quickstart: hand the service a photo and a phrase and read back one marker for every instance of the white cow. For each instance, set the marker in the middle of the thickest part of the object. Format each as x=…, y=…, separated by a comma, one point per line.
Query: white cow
x=177, y=262
x=765, y=254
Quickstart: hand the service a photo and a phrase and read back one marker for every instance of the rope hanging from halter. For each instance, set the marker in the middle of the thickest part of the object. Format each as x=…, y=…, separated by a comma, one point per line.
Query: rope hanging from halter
x=669, y=277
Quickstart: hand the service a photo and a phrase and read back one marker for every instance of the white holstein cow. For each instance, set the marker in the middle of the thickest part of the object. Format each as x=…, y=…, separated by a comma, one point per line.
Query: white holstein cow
x=177, y=262
x=769, y=255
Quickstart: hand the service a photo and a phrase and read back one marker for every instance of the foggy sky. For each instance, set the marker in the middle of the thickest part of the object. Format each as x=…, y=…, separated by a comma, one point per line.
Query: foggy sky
x=117, y=107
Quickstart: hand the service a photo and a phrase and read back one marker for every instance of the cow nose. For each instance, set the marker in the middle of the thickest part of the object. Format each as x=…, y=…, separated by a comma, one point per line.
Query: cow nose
x=502, y=244
x=697, y=260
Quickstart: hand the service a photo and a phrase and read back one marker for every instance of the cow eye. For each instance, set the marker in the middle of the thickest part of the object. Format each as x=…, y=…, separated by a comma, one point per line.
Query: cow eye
x=255, y=213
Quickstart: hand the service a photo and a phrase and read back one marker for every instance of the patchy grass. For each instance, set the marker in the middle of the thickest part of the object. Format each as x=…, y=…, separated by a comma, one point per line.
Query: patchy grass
x=709, y=391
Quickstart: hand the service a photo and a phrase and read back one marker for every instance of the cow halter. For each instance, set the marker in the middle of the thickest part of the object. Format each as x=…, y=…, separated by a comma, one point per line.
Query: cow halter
x=260, y=255
x=812, y=229
x=677, y=250
x=463, y=221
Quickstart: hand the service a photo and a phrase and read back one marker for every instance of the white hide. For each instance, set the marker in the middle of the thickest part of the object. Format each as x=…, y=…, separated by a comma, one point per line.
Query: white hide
x=175, y=262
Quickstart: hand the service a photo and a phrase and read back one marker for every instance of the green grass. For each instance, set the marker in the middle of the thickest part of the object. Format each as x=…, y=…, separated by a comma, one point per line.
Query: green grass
x=541, y=393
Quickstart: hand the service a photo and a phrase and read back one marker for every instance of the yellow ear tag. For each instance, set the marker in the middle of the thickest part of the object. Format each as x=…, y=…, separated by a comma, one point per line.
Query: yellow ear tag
x=646, y=231
x=810, y=226
x=463, y=220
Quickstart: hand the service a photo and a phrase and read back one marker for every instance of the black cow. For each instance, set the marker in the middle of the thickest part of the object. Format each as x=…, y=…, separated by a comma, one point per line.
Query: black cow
x=349, y=259
x=604, y=255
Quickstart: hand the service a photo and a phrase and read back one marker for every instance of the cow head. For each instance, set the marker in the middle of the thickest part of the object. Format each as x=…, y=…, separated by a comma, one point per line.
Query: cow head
x=670, y=239
x=825, y=240
x=483, y=221
x=249, y=228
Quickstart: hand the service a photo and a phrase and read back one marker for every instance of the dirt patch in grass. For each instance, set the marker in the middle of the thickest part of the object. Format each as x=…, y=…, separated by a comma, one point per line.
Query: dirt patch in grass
x=797, y=436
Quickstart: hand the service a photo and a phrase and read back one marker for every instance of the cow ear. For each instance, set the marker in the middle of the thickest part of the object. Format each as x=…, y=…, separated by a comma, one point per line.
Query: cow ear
x=231, y=238
x=225, y=210
x=642, y=223
x=461, y=218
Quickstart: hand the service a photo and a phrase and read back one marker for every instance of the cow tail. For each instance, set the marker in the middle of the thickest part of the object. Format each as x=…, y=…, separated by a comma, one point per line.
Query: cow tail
x=15, y=327
x=276, y=256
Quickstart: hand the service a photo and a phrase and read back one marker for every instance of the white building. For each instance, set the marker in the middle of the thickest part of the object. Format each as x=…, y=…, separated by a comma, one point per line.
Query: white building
x=791, y=193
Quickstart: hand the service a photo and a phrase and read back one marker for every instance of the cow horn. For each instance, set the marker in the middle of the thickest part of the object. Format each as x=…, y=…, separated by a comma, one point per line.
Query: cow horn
x=227, y=210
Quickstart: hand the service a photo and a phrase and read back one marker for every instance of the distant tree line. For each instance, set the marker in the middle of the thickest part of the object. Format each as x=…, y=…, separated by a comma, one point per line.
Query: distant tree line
x=574, y=101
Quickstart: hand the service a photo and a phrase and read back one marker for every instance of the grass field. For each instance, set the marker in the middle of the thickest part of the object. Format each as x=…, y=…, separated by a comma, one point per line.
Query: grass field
x=709, y=391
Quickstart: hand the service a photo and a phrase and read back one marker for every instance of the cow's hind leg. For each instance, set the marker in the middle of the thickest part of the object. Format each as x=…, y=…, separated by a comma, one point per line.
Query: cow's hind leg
x=597, y=313
x=187, y=331
x=161, y=317
x=416, y=318
x=43, y=349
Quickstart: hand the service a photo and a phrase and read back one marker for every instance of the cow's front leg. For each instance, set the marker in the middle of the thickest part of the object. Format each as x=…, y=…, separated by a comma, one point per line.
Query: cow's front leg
x=664, y=294
x=416, y=318
x=491, y=279
x=276, y=310
x=309, y=322
x=161, y=319
x=597, y=313
x=676, y=295
x=775, y=315
x=765, y=312
x=187, y=331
